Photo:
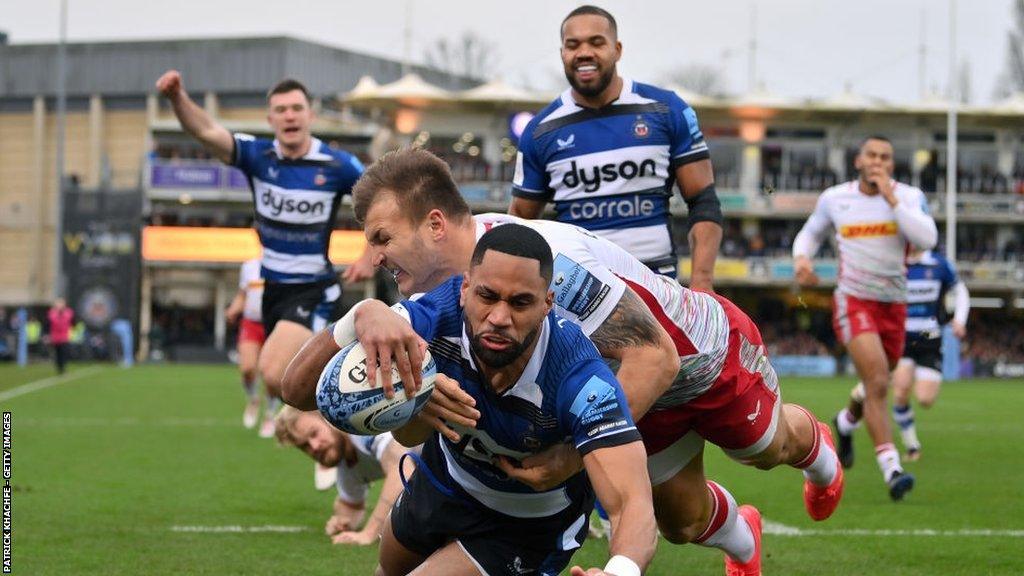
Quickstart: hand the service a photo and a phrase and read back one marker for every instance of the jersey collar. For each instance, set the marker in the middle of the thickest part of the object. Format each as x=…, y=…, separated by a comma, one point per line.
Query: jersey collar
x=312, y=154
x=626, y=95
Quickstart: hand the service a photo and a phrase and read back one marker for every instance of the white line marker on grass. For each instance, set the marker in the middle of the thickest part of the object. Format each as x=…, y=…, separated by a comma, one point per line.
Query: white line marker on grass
x=235, y=529
x=47, y=382
x=778, y=529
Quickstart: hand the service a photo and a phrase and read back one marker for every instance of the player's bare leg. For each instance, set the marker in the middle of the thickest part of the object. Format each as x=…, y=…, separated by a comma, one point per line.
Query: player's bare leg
x=281, y=346
x=902, y=412
x=801, y=441
x=689, y=508
x=925, y=383
x=393, y=558
x=248, y=354
x=873, y=367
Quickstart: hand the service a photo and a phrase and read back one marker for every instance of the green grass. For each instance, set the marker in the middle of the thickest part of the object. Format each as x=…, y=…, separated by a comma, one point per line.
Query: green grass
x=107, y=463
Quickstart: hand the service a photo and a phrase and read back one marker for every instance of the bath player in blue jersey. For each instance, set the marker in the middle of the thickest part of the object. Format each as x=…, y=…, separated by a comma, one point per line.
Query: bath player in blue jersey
x=533, y=380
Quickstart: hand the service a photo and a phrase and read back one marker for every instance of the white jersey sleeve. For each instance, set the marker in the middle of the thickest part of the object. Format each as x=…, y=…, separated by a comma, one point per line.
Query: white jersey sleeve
x=815, y=230
x=250, y=280
x=962, y=303
x=586, y=290
x=353, y=481
x=915, y=224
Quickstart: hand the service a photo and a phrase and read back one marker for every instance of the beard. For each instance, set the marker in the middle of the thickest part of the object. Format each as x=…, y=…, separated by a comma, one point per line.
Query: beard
x=499, y=358
x=603, y=80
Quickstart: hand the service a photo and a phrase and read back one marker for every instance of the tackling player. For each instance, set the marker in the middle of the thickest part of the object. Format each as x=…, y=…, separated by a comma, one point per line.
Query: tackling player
x=725, y=390
x=608, y=151
x=876, y=220
x=247, y=305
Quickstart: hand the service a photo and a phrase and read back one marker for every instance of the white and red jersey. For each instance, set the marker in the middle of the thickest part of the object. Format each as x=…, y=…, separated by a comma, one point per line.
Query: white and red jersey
x=872, y=237
x=590, y=276
x=250, y=280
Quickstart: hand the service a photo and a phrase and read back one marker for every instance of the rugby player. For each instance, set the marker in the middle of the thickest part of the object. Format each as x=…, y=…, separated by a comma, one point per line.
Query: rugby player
x=246, y=305
x=528, y=379
x=608, y=151
x=725, y=390
x=930, y=277
x=876, y=220
x=297, y=183
x=359, y=460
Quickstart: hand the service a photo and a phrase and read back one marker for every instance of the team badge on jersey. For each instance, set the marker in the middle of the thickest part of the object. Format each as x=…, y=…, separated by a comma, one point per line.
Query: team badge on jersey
x=640, y=128
x=320, y=179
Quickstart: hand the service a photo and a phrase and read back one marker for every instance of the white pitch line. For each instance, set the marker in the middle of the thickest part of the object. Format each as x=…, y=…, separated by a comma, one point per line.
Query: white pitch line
x=235, y=529
x=47, y=382
x=778, y=529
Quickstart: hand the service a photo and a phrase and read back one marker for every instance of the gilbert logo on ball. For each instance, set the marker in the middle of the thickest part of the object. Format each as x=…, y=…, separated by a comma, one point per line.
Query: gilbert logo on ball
x=346, y=400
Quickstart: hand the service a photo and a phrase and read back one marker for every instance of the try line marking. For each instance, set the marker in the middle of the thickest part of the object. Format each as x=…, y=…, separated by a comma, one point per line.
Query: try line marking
x=238, y=529
x=772, y=528
x=47, y=382
x=777, y=529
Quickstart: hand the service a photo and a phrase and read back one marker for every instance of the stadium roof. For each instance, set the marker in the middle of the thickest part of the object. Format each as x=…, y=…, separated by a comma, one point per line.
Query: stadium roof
x=220, y=65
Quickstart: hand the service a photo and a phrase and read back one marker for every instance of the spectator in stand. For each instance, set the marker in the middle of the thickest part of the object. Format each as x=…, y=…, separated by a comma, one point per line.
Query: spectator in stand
x=60, y=317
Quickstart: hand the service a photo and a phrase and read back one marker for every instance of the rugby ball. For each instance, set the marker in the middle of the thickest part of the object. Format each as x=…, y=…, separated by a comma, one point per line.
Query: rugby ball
x=346, y=400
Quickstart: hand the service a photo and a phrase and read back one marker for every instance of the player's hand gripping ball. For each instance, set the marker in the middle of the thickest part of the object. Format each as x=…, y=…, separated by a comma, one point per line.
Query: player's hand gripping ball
x=346, y=400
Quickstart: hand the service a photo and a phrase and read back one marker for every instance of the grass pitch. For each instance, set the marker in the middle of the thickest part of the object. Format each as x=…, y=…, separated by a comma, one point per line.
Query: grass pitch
x=149, y=471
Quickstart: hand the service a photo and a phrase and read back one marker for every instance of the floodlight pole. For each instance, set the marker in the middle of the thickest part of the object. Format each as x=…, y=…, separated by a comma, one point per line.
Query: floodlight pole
x=951, y=138
x=59, y=284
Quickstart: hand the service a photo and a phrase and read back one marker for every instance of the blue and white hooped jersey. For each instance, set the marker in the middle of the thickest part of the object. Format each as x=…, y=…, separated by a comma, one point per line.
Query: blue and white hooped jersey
x=928, y=280
x=611, y=170
x=566, y=393
x=296, y=202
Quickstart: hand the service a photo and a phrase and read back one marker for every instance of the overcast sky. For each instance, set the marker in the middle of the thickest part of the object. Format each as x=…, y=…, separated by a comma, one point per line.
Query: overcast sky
x=807, y=48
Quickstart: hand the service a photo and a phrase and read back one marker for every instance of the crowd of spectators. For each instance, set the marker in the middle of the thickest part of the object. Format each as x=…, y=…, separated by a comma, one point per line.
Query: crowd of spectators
x=979, y=243
x=804, y=179
x=995, y=338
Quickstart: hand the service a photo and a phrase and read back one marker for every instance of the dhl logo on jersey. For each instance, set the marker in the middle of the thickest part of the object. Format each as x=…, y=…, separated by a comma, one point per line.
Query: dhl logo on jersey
x=868, y=230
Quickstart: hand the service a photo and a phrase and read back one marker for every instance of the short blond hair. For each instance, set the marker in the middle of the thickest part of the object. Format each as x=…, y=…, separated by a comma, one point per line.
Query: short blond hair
x=284, y=425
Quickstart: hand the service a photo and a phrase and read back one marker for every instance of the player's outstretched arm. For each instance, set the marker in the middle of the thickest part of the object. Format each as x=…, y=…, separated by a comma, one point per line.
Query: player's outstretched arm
x=298, y=387
x=345, y=516
x=389, y=492
x=649, y=361
x=214, y=137
x=235, y=308
x=619, y=476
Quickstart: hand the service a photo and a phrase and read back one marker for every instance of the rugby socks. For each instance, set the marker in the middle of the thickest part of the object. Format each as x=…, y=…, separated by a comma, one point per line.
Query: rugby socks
x=904, y=417
x=888, y=460
x=273, y=406
x=846, y=422
x=821, y=462
x=727, y=530
x=250, y=387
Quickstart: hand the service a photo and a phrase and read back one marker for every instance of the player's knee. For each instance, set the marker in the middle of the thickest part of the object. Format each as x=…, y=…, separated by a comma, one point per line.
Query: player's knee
x=766, y=463
x=685, y=523
x=272, y=373
x=876, y=386
x=681, y=534
x=766, y=460
x=926, y=401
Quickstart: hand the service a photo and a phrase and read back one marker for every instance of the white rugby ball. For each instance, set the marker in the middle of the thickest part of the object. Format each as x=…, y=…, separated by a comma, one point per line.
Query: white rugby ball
x=346, y=400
